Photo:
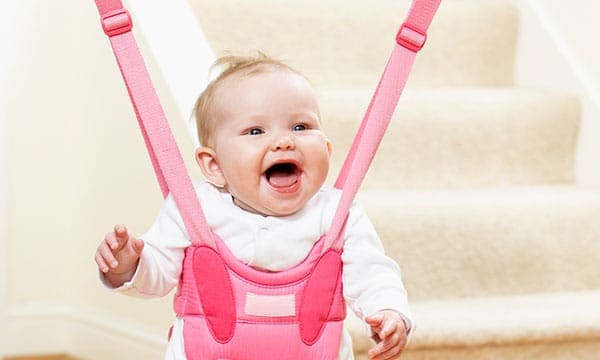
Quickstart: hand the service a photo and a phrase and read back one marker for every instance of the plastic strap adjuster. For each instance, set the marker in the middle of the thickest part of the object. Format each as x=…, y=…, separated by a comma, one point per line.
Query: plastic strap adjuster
x=410, y=37
x=116, y=22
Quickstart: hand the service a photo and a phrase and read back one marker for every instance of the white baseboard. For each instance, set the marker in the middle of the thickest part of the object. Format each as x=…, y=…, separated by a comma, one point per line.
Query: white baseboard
x=49, y=329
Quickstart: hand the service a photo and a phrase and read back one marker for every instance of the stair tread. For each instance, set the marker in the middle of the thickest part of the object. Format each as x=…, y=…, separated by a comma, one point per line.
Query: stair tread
x=361, y=95
x=541, y=317
x=507, y=197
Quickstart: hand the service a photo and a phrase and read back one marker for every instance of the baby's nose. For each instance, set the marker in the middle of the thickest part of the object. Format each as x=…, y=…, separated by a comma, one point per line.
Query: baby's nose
x=284, y=143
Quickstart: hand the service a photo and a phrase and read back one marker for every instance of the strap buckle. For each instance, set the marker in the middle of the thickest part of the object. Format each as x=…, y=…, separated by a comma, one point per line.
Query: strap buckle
x=410, y=37
x=116, y=22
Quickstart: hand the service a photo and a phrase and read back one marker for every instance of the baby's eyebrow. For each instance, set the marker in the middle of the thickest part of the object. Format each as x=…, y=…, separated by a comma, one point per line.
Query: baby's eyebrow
x=304, y=114
x=254, y=117
x=244, y=120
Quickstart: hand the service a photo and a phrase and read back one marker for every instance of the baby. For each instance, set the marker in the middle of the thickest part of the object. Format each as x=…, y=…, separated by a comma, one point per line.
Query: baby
x=265, y=158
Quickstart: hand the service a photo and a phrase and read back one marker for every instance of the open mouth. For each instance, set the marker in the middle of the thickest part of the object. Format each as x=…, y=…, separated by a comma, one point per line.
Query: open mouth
x=283, y=176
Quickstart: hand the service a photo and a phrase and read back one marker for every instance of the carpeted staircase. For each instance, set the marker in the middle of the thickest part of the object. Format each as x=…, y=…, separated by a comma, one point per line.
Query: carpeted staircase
x=473, y=188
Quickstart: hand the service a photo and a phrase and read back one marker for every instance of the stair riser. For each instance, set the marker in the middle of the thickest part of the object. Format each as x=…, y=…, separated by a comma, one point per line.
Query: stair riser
x=348, y=43
x=514, y=139
x=491, y=246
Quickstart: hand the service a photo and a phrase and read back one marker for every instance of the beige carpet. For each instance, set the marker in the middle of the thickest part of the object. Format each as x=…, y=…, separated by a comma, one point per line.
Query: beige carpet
x=472, y=190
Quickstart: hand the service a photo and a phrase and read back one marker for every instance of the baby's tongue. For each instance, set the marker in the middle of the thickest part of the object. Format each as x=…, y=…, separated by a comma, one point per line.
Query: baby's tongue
x=282, y=178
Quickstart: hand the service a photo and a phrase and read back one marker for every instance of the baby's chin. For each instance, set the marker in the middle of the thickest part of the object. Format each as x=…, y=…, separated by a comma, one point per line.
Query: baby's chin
x=284, y=212
x=279, y=209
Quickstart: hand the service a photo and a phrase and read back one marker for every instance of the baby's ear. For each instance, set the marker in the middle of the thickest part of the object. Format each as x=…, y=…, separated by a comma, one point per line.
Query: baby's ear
x=207, y=160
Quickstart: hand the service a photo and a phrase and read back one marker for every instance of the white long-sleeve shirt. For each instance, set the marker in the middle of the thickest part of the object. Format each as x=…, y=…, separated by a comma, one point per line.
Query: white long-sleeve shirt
x=371, y=280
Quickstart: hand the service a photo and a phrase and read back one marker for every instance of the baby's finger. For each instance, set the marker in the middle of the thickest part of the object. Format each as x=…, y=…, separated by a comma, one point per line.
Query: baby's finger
x=120, y=230
x=379, y=349
x=108, y=256
x=375, y=322
x=101, y=263
x=376, y=338
x=111, y=241
x=389, y=327
x=121, y=234
x=391, y=353
x=384, y=346
x=137, y=245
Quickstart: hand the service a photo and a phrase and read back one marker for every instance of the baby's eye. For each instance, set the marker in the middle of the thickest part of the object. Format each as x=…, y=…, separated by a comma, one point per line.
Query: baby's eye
x=255, y=131
x=299, y=127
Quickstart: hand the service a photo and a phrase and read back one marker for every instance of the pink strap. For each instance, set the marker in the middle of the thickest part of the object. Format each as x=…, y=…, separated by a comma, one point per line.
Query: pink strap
x=410, y=39
x=164, y=154
x=162, y=148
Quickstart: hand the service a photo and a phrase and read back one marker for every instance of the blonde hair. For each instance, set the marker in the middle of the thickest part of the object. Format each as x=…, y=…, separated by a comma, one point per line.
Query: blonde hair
x=230, y=65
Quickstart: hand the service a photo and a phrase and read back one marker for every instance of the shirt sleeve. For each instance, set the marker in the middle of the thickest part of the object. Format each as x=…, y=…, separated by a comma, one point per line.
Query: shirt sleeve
x=161, y=260
x=372, y=280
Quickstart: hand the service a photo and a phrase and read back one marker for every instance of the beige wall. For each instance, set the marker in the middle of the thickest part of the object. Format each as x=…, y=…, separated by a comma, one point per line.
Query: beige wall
x=5, y=24
x=76, y=166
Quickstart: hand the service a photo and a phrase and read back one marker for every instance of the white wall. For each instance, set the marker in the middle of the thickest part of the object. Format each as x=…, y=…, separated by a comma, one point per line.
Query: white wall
x=558, y=38
x=185, y=76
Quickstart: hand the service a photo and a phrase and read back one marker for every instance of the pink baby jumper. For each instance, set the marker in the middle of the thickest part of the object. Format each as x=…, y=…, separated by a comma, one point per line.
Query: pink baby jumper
x=230, y=310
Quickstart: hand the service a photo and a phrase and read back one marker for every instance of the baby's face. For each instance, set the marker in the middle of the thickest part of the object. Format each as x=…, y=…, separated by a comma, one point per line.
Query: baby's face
x=269, y=149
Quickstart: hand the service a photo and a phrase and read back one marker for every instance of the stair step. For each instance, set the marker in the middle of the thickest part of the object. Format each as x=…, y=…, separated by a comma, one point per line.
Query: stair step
x=500, y=322
x=501, y=241
x=348, y=43
x=475, y=137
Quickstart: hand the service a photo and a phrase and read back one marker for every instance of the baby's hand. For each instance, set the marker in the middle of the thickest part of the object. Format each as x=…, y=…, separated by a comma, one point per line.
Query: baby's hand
x=390, y=333
x=118, y=255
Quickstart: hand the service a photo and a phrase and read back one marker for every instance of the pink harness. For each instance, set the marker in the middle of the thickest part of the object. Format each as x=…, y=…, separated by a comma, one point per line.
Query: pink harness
x=230, y=310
